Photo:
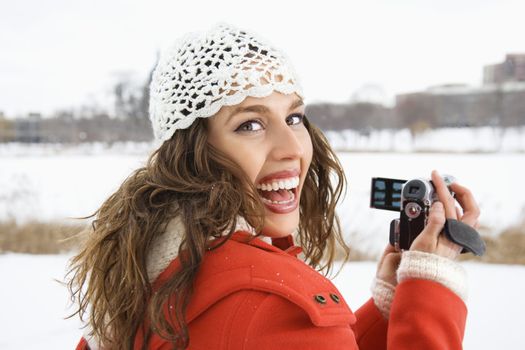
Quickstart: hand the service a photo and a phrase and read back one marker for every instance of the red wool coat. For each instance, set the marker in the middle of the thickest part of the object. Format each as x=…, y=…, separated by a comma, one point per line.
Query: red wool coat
x=253, y=295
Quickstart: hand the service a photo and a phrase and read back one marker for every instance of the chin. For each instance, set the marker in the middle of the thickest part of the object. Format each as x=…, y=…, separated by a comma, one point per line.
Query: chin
x=280, y=225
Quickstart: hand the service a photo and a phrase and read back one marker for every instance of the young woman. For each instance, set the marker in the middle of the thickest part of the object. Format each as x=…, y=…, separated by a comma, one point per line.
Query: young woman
x=199, y=248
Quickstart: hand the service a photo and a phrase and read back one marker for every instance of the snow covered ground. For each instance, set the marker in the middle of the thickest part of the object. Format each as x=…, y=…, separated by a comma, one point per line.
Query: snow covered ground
x=55, y=183
x=33, y=304
x=482, y=139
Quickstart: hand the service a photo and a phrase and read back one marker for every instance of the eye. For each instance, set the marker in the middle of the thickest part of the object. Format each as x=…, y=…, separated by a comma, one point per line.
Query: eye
x=249, y=126
x=295, y=119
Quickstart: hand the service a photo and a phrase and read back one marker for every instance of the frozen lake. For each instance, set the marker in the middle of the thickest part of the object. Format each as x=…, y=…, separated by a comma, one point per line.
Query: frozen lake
x=33, y=304
x=59, y=185
x=49, y=183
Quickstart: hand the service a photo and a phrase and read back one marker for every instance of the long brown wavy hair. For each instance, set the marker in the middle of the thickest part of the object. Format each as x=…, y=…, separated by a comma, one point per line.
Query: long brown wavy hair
x=186, y=177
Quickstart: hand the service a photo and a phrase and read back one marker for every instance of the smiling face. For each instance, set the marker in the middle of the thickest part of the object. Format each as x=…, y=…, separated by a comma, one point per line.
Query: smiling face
x=266, y=137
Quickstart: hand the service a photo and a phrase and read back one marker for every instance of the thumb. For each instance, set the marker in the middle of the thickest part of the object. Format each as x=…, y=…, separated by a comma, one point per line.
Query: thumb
x=428, y=239
x=436, y=220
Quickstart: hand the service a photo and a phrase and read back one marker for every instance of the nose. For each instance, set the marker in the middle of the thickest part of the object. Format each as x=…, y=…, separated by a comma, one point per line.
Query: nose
x=286, y=143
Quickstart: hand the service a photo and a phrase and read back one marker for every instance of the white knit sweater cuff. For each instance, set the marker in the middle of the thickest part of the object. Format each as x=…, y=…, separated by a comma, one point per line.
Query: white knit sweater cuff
x=416, y=264
x=383, y=294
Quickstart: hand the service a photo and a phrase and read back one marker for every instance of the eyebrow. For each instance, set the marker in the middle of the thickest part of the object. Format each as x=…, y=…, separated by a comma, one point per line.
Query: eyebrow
x=261, y=109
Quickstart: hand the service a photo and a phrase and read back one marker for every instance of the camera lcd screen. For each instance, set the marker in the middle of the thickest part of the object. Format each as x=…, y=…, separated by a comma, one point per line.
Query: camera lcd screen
x=386, y=193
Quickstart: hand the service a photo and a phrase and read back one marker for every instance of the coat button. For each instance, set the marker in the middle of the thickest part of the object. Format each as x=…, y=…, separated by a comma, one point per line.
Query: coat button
x=320, y=299
x=334, y=297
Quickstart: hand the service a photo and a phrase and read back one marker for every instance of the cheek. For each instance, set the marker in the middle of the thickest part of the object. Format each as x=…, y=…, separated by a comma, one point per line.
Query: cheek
x=251, y=165
x=308, y=148
x=250, y=160
x=238, y=152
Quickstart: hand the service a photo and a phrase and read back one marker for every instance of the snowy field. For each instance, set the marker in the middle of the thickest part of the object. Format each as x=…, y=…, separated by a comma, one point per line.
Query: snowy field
x=33, y=304
x=482, y=139
x=54, y=182
x=57, y=183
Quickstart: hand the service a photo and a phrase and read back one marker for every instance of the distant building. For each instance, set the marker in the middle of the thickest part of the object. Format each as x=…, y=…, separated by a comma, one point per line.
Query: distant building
x=460, y=105
x=6, y=129
x=500, y=101
x=511, y=70
x=28, y=129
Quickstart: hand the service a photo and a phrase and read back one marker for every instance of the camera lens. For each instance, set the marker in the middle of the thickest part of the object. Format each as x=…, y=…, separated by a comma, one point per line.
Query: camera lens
x=412, y=210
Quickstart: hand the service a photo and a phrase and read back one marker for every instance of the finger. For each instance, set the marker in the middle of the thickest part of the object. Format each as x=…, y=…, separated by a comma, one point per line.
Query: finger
x=449, y=203
x=388, y=249
x=436, y=219
x=428, y=239
x=459, y=213
x=387, y=270
x=391, y=263
x=468, y=203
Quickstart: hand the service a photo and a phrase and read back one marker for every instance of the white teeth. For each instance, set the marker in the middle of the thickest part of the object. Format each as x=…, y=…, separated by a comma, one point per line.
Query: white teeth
x=286, y=184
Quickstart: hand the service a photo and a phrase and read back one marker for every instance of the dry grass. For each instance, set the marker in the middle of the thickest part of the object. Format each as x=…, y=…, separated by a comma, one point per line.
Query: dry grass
x=51, y=238
x=36, y=237
x=506, y=248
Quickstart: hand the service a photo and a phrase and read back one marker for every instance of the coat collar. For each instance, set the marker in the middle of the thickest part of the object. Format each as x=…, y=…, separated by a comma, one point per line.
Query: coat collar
x=165, y=247
x=280, y=244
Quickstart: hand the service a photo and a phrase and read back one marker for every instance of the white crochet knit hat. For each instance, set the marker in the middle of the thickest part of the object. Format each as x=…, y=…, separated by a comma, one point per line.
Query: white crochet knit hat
x=201, y=73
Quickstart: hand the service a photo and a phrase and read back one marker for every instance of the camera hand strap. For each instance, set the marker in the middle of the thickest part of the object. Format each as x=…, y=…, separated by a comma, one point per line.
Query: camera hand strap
x=465, y=236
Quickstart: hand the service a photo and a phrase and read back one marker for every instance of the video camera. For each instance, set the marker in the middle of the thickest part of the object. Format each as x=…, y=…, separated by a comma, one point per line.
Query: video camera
x=413, y=199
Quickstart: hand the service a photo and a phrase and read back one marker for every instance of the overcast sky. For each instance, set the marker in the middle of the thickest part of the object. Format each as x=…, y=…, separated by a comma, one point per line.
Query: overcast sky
x=62, y=53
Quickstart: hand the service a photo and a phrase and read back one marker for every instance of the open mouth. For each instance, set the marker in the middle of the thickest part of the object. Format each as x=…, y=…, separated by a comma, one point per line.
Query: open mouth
x=280, y=194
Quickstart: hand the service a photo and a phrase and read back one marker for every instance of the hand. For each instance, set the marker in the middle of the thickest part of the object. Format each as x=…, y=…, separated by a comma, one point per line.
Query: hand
x=431, y=240
x=388, y=264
